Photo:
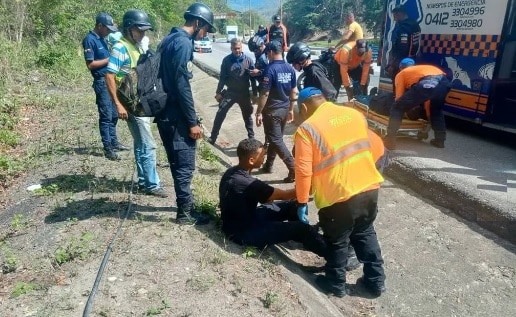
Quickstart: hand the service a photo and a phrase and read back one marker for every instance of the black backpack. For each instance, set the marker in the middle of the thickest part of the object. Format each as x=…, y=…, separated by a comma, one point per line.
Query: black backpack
x=382, y=102
x=141, y=90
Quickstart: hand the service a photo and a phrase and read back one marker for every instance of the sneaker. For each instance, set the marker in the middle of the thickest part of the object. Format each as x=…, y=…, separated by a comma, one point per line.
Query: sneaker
x=211, y=141
x=290, y=178
x=374, y=290
x=437, y=143
x=324, y=285
x=190, y=216
x=266, y=168
x=158, y=192
x=112, y=155
x=353, y=263
x=121, y=147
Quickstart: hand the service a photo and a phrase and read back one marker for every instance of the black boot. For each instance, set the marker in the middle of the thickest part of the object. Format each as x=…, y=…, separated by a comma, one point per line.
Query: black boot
x=187, y=215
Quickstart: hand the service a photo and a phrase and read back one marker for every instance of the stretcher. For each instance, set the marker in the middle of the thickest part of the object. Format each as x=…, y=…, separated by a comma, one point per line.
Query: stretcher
x=377, y=122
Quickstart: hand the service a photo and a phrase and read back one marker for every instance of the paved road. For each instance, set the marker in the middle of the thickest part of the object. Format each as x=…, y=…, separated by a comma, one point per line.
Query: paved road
x=437, y=264
x=473, y=176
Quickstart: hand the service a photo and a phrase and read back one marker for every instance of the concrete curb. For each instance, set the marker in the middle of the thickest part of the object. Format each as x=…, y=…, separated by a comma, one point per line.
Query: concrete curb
x=496, y=219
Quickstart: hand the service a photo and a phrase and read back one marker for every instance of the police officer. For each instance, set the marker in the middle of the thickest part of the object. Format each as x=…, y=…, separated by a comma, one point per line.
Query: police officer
x=276, y=107
x=415, y=84
x=261, y=61
x=234, y=74
x=178, y=123
x=96, y=54
x=316, y=75
x=355, y=62
x=335, y=160
x=278, y=32
x=405, y=40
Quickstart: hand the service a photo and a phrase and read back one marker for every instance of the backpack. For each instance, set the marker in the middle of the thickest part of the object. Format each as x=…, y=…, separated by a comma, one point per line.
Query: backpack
x=141, y=90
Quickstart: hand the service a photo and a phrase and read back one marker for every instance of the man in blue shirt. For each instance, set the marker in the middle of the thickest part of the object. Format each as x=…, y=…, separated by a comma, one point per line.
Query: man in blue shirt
x=258, y=47
x=276, y=107
x=96, y=54
x=178, y=123
x=234, y=74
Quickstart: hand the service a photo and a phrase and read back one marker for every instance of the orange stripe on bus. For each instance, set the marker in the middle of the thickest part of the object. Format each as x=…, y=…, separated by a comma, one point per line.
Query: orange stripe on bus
x=467, y=101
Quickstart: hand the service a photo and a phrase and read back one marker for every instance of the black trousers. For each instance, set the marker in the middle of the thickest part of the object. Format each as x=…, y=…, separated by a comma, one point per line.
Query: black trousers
x=347, y=222
x=244, y=101
x=276, y=223
x=273, y=125
x=417, y=95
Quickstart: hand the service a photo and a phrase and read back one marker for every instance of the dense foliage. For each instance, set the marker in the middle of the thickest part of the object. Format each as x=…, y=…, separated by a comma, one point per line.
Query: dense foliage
x=304, y=18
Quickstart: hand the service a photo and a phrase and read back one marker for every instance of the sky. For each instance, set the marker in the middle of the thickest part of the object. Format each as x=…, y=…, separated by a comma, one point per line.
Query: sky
x=265, y=7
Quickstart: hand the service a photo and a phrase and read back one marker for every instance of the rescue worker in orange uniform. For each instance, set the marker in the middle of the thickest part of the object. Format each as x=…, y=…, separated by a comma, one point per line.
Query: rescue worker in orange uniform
x=416, y=84
x=335, y=161
x=355, y=62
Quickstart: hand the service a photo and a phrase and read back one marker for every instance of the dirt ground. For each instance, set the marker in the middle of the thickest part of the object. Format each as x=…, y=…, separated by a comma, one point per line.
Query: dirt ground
x=53, y=240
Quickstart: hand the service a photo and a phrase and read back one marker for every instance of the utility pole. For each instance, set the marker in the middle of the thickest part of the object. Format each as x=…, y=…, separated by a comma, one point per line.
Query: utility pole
x=250, y=18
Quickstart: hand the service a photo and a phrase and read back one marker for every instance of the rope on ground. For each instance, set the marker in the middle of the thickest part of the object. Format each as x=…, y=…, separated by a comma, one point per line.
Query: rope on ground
x=107, y=254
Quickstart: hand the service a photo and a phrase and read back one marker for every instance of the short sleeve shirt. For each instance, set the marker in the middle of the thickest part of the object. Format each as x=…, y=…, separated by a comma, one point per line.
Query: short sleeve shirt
x=119, y=60
x=279, y=78
x=239, y=195
x=95, y=48
x=356, y=30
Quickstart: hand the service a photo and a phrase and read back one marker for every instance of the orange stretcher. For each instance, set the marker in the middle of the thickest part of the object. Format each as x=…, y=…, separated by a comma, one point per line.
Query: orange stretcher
x=377, y=122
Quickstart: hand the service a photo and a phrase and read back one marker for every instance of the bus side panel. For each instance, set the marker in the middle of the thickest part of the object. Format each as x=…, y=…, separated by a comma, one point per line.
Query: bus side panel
x=469, y=61
x=461, y=37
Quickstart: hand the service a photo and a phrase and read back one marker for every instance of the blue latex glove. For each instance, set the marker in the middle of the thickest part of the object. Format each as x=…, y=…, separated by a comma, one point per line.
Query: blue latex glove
x=302, y=212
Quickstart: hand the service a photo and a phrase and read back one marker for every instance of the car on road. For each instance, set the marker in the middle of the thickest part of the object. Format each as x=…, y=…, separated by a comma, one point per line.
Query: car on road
x=204, y=45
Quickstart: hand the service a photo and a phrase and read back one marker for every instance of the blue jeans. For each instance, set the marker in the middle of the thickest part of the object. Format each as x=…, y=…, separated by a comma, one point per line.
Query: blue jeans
x=244, y=101
x=108, y=116
x=273, y=125
x=144, y=151
x=348, y=222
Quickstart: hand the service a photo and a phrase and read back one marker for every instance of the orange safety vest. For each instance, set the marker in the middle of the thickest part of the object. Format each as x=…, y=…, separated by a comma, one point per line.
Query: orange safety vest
x=335, y=156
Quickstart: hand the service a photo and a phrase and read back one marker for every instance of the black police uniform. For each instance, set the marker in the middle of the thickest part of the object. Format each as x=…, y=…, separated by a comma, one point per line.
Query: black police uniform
x=405, y=43
x=175, y=121
x=316, y=76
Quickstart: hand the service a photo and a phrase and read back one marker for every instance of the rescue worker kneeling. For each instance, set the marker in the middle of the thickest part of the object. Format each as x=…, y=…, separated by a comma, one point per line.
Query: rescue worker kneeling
x=335, y=160
x=355, y=60
x=415, y=84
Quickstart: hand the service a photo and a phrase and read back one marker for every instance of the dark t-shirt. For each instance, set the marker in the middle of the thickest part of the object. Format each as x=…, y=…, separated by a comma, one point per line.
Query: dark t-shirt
x=239, y=195
x=279, y=78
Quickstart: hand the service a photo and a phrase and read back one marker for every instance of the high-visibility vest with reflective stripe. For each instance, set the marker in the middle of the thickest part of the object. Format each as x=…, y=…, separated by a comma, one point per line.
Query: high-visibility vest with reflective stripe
x=337, y=143
x=134, y=55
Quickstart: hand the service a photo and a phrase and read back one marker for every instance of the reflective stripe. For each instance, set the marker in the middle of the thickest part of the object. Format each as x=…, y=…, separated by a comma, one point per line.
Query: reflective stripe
x=316, y=137
x=342, y=154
